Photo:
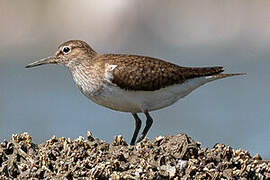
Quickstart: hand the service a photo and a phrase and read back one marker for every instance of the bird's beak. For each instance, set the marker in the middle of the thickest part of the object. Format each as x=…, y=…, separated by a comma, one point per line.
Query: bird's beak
x=48, y=60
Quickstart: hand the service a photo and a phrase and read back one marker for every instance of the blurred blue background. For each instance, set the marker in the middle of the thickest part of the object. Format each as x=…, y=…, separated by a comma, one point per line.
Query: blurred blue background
x=44, y=101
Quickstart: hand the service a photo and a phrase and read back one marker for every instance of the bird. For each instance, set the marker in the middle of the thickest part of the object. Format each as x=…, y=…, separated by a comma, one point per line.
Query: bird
x=130, y=83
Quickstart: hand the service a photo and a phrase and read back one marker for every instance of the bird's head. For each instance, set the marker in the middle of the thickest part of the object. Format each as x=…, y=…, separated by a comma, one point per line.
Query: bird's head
x=68, y=53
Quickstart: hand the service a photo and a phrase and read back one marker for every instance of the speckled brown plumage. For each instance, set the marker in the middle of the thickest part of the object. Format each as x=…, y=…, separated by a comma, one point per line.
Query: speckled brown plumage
x=148, y=74
x=135, y=72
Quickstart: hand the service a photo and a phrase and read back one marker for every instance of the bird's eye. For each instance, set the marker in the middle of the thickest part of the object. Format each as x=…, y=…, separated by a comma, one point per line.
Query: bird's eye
x=66, y=49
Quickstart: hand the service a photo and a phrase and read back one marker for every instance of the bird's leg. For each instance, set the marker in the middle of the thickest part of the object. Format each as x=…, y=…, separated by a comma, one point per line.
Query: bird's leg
x=138, y=123
x=149, y=122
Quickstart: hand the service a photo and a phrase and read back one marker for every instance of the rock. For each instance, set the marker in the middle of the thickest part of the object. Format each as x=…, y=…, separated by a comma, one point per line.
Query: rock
x=166, y=157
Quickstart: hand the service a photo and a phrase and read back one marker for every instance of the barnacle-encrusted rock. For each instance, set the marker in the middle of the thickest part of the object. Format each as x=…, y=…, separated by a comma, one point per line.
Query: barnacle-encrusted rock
x=166, y=157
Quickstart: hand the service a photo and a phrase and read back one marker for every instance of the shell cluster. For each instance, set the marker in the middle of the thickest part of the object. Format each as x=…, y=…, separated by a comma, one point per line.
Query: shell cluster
x=166, y=157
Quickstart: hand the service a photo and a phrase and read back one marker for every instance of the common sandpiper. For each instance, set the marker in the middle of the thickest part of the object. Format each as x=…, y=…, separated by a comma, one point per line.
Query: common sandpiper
x=130, y=83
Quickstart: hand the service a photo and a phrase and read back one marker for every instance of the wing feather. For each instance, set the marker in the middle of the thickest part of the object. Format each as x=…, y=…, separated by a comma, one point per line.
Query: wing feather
x=148, y=74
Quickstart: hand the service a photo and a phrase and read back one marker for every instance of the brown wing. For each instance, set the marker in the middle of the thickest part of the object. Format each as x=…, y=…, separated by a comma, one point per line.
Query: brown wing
x=149, y=74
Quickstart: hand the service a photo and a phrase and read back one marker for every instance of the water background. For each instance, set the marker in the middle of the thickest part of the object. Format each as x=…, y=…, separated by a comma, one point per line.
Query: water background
x=44, y=101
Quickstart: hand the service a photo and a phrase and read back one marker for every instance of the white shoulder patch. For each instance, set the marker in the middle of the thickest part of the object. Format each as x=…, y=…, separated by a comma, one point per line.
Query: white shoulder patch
x=108, y=72
x=110, y=67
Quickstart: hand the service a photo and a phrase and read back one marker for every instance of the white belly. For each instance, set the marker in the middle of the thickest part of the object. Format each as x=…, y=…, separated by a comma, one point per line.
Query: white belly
x=140, y=101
